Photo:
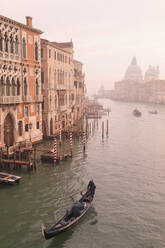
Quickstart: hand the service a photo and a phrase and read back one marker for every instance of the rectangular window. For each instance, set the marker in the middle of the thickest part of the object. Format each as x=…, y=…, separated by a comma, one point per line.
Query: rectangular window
x=42, y=52
x=49, y=53
x=37, y=125
x=26, y=111
x=43, y=105
x=38, y=109
x=42, y=77
x=20, y=128
x=79, y=84
x=55, y=55
x=72, y=97
x=26, y=127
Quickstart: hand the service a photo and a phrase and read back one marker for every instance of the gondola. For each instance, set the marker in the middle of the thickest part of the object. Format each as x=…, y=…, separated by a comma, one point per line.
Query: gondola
x=136, y=112
x=153, y=112
x=73, y=215
x=6, y=178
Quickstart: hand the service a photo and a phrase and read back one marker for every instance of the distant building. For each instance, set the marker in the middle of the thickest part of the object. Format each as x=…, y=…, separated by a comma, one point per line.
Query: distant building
x=79, y=91
x=151, y=74
x=20, y=82
x=133, y=72
x=134, y=88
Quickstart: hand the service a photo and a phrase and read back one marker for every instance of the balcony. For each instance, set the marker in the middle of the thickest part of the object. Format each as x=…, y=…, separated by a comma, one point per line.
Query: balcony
x=10, y=99
x=27, y=99
x=61, y=87
x=62, y=107
x=39, y=98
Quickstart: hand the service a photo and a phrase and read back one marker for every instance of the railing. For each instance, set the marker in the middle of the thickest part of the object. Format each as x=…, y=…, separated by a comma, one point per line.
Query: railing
x=61, y=87
x=10, y=99
x=27, y=98
x=39, y=98
x=62, y=107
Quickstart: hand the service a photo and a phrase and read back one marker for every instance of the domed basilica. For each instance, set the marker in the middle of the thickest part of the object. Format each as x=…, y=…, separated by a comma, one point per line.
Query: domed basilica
x=133, y=72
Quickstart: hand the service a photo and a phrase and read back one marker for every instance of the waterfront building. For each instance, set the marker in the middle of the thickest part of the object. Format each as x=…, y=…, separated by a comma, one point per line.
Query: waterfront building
x=133, y=72
x=134, y=88
x=79, y=91
x=20, y=83
x=62, y=87
x=151, y=74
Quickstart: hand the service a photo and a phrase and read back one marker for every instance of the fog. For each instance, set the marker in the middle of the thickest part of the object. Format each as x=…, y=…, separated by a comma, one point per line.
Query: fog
x=106, y=34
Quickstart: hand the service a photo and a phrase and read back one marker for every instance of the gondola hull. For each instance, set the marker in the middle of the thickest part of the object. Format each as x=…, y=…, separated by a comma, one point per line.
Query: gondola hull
x=73, y=217
x=51, y=233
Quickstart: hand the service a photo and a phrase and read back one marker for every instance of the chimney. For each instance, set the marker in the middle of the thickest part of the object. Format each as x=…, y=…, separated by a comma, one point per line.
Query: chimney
x=29, y=21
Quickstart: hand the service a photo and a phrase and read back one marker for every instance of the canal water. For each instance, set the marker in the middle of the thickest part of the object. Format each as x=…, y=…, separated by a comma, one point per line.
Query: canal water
x=128, y=168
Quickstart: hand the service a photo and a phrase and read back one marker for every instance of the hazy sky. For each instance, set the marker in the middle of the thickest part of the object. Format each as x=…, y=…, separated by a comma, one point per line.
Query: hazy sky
x=106, y=34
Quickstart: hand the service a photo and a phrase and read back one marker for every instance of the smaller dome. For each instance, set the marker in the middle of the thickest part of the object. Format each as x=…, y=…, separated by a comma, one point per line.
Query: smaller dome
x=133, y=72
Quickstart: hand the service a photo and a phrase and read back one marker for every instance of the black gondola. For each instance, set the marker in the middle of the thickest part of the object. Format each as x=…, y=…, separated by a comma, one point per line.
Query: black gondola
x=137, y=113
x=73, y=215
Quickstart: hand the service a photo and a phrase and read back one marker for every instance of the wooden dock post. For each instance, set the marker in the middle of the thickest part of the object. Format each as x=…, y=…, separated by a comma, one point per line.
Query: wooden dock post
x=107, y=128
x=14, y=156
x=103, y=129
x=84, y=140
x=34, y=157
x=1, y=157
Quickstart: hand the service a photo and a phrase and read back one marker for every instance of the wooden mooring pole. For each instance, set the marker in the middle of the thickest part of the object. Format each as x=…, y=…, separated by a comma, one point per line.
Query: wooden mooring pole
x=107, y=127
x=84, y=140
x=103, y=129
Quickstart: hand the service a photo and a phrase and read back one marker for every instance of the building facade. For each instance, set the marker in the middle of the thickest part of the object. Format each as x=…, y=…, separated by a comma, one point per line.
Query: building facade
x=60, y=95
x=151, y=89
x=79, y=91
x=20, y=82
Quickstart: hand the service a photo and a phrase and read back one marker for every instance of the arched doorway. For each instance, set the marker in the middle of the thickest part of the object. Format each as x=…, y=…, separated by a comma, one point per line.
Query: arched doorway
x=8, y=131
x=44, y=130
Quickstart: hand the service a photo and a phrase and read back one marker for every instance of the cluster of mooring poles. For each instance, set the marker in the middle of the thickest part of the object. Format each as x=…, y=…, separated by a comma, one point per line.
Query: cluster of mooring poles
x=18, y=158
x=107, y=128
x=61, y=157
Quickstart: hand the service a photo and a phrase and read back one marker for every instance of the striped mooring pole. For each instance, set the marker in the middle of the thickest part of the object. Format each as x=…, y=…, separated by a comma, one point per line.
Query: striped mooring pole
x=55, y=150
x=84, y=140
x=60, y=136
x=71, y=142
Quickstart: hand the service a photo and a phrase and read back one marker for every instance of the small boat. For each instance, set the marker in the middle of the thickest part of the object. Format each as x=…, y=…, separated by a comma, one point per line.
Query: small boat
x=6, y=178
x=153, y=112
x=73, y=215
x=137, y=113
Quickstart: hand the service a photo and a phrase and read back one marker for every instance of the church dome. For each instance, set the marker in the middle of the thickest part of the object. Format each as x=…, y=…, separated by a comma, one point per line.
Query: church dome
x=133, y=72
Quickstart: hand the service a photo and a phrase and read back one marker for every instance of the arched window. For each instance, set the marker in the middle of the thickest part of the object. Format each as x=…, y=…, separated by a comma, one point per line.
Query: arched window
x=1, y=87
x=1, y=42
x=18, y=87
x=36, y=51
x=16, y=45
x=25, y=87
x=13, y=87
x=7, y=87
x=37, y=87
x=6, y=43
x=11, y=44
x=24, y=47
